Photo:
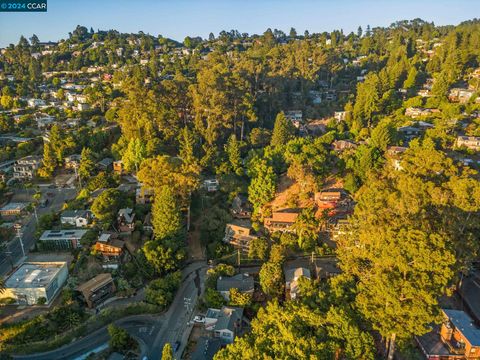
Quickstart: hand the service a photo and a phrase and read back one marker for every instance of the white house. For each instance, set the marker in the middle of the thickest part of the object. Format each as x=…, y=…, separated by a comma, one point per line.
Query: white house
x=78, y=218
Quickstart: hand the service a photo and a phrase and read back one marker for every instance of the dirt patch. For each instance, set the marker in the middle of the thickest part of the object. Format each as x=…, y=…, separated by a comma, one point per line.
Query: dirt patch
x=194, y=244
x=287, y=195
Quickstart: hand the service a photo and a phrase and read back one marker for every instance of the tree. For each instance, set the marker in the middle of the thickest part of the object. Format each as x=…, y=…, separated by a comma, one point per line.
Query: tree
x=161, y=292
x=411, y=80
x=271, y=279
x=263, y=185
x=134, y=154
x=238, y=298
x=105, y=207
x=400, y=222
x=120, y=339
x=258, y=248
x=87, y=163
x=213, y=298
x=283, y=131
x=232, y=149
x=166, y=216
x=49, y=162
x=307, y=226
x=383, y=135
x=167, y=352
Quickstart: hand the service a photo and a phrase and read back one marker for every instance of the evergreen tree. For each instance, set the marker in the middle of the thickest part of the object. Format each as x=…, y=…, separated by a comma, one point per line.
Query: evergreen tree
x=283, y=131
x=87, y=163
x=166, y=216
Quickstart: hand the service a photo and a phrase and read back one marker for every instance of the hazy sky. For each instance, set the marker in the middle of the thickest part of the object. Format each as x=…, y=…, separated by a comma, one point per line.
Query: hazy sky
x=179, y=18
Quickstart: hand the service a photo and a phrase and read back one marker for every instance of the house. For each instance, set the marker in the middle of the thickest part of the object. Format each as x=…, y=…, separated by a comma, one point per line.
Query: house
x=328, y=196
x=35, y=103
x=239, y=234
x=415, y=112
x=242, y=282
x=73, y=123
x=339, y=229
x=61, y=239
x=109, y=245
x=73, y=161
x=26, y=168
x=292, y=275
x=96, y=290
x=460, y=95
x=469, y=291
x=409, y=132
x=295, y=116
x=105, y=164
x=226, y=323
x=206, y=348
x=13, y=209
x=35, y=282
x=340, y=115
x=341, y=145
x=241, y=207
x=394, y=155
x=316, y=127
x=143, y=195
x=126, y=220
x=326, y=268
x=82, y=107
x=281, y=220
x=43, y=120
x=78, y=218
x=211, y=185
x=456, y=338
x=118, y=166
x=470, y=142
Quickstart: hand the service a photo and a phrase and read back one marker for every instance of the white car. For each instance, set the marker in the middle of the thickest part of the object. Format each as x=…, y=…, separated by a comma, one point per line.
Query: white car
x=200, y=319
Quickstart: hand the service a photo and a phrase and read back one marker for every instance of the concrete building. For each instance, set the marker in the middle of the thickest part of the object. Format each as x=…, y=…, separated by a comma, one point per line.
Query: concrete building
x=61, y=239
x=35, y=282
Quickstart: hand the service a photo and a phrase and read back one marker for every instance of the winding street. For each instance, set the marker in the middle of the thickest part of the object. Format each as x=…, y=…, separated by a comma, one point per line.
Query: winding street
x=151, y=331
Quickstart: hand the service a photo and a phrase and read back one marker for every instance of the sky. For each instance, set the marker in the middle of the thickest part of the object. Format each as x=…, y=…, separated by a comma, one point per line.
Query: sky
x=178, y=18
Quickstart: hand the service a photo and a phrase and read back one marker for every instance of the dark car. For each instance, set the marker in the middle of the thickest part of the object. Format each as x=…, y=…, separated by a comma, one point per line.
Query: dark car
x=176, y=346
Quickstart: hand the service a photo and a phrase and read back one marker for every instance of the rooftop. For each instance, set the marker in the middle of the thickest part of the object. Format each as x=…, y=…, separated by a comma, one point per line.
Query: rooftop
x=242, y=282
x=95, y=283
x=34, y=274
x=14, y=206
x=464, y=323
x=74, y=213
x=62, y=234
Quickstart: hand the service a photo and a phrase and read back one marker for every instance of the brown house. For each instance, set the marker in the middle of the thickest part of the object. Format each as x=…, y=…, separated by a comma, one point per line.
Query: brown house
x=126, y=220
x=457, y=338
x=109, y=245
x=281, y=220
x=239, y=233
x=97, y=290
x=118, y=167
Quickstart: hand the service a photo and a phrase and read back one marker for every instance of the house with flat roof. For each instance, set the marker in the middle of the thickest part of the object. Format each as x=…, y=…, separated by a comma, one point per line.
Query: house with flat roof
x=35, y=282
x=457, y=338
x=13, y=209
x=61, y=239
x=242, y=282
x=225, y=323
x=97, y=290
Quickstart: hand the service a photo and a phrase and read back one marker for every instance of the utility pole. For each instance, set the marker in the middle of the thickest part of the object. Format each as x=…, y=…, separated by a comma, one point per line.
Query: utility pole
x=18, y=228
x=238, y=258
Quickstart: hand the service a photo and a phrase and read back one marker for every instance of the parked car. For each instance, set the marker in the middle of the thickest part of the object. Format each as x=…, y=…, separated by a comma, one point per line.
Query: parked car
x=176, y=346
x=200, y=319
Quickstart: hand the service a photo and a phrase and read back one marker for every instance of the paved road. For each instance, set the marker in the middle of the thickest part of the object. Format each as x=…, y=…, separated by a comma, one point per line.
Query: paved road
x=152, y=332
x=12, y=254
x=139, y=326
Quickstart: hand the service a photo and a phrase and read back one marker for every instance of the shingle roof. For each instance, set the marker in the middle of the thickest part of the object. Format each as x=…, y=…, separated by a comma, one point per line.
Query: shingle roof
x=241, y=282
